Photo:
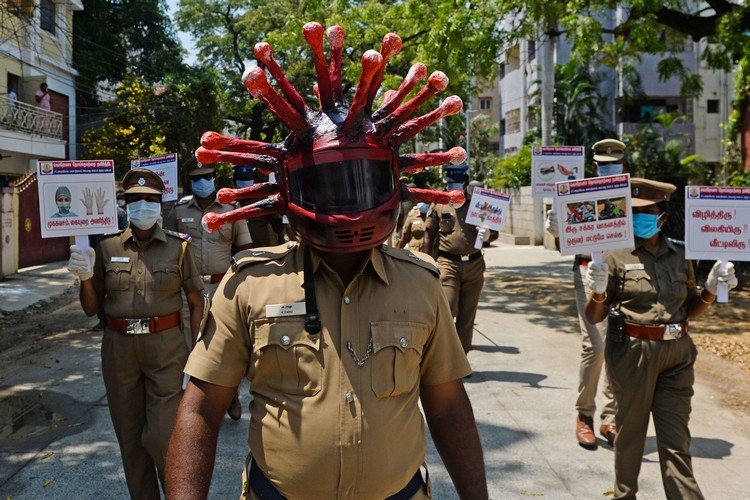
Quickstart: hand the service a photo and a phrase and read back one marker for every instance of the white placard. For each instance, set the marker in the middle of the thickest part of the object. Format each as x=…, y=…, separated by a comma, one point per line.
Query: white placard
x=488, y=209
x=164, y=166
x=717, y=223
x=594, y=215
x=552, y=164
x=76, y=198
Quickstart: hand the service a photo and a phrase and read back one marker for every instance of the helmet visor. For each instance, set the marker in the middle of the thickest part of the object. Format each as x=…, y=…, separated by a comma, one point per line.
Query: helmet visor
x=343, y=185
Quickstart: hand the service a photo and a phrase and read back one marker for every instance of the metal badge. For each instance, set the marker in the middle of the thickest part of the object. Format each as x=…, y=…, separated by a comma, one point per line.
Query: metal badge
x=141, y=181
x=672, y=331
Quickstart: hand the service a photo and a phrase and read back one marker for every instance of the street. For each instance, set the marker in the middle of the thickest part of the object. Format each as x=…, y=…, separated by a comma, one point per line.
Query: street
x=57, y=441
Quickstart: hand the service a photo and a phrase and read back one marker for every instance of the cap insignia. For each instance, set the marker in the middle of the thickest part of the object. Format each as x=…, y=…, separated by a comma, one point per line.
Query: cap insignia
x=141, y=181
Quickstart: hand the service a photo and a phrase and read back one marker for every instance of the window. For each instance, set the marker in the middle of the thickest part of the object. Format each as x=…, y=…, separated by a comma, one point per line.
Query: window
x=501, y=71
x=485, y=103
x=502, y=127
x=513, y=119
x=47, y=15
x=532, y=50
x=712, y=106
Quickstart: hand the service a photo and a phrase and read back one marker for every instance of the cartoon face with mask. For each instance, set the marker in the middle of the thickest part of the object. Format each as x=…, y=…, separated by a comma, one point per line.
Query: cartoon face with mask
x=62, y=200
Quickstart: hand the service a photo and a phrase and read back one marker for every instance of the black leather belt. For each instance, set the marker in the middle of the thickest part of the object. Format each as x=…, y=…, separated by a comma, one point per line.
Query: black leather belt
x=264, y=489
x=460, y=258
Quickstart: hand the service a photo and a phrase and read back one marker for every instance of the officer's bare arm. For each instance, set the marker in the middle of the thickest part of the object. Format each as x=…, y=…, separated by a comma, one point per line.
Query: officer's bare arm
x=429, y=236
x=195, y=304
x=90, y=300
x=596, y=311
x=405, y=237
x=699, y=303
x=448, y=412
x=192, y=448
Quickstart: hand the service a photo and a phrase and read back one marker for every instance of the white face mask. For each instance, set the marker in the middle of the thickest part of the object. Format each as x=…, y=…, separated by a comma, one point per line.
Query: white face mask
x=144, y=214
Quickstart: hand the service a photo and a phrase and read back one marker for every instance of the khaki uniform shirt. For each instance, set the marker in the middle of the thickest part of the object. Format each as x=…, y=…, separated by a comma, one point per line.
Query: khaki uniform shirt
x=321, y=426
x=455, y=235
x=213, y=251
x=414, y=228
x=136, y=283
x=653, y=288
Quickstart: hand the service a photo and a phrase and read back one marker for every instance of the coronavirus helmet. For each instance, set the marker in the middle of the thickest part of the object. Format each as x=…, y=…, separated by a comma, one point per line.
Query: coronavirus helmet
x=337, y=172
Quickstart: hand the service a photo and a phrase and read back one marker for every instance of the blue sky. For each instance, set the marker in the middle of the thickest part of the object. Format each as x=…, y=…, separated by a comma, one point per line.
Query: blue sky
x=184, y=37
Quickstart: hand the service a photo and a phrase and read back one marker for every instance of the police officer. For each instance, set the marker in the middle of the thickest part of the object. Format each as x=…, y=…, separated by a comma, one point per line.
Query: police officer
x=461, y=265
x=265, y=231
x=137, y=274
x=213, y=251
x=412, y=233
x=608, y=160
x=649, y=354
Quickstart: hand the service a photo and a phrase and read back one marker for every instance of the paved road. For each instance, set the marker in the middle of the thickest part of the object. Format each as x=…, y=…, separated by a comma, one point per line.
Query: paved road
x=523, y=389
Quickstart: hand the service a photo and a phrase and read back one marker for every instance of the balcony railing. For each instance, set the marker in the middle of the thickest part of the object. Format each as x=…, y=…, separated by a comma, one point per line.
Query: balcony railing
x=17, y=115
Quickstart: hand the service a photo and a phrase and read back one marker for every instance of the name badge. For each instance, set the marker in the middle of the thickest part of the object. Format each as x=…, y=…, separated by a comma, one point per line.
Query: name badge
x=634, y=267
x=279, y=310
x=187, y=219
x=123, y=260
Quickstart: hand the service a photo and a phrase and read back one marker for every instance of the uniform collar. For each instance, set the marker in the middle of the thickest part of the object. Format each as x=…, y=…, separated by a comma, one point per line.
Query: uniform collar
x=665, y=244
x=159, y=234
x=373, y=259
x=194, y=202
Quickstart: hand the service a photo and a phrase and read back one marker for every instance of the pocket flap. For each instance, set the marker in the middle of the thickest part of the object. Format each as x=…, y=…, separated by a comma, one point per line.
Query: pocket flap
x=400, y=334
x=166, y=268
x=637, y=275
x=283, y=333
x=118, y=267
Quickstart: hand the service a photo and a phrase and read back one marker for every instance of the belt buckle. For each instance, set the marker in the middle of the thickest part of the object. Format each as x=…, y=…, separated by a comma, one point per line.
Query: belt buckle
x=464, y=258
x=672, y=331
x=136, y=326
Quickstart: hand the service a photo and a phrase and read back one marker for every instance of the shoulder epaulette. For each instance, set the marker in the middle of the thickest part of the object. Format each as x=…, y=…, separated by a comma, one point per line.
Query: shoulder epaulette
x=115, y=233
x=418, y=258
x=184, y=199
x=676, y=242
x=182, y=236
x=265, y=254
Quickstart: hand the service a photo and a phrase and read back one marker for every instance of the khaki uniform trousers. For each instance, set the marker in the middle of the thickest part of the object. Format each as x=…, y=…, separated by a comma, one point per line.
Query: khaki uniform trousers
x=462, y=283
x=592, y=358
x=143, y=378
x=208, y=290
x=656, y=378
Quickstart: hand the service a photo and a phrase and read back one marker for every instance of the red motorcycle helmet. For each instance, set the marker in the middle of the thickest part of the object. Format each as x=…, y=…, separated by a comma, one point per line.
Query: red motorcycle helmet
x=336, y=174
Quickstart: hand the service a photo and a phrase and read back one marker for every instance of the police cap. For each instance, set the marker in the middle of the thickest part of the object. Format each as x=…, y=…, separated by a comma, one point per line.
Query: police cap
x=608, y=150
x=142, y=180
x=647, y=192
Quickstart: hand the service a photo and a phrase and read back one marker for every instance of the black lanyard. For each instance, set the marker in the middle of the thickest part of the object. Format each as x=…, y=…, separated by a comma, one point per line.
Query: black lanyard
x=312, y=317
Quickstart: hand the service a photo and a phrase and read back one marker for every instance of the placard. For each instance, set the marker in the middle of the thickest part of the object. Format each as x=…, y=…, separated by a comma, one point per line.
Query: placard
x=164, y=166
x=594, y=215
x=488, y=209
x=552, y=164
x=76, y=198
x=717, y=221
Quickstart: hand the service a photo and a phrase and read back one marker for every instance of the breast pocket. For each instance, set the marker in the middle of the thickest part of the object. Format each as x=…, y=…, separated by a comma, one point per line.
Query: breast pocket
x=397, y=354
x=286, y=358
x=678, y=283
x=117, y=275
x=637, y=282
x=166, y=277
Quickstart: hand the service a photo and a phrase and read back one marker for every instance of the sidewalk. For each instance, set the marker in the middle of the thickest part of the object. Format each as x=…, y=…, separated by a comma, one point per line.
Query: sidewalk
x=34, y=284
x=523, y=391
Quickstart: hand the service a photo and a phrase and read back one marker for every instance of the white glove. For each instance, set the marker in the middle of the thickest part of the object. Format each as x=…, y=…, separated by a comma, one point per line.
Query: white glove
x=597, y=277
x=550, y=225
x=715, y=276
x=80, y=264
x=483, y=233
x=88, y=201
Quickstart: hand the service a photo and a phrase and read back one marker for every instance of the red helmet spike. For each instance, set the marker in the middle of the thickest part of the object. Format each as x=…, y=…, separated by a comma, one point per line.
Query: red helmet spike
x=264, y=53
x=371, y=62
x=212, y=221
x=335, y=36
x=450, y=106
x=392, y=100
x=412, y=163
x=437, y=82
x=254, y=192
x=313, y=33
x=256, y=82
x=455, y=198
x=214, y=140
x=390, y=46
x=266, y=163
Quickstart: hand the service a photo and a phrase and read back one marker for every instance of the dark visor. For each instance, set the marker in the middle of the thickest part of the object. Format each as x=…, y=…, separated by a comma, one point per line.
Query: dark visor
x=342, y=186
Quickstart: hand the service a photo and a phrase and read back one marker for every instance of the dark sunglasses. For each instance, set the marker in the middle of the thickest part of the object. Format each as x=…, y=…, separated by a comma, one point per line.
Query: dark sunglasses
x=202, y=176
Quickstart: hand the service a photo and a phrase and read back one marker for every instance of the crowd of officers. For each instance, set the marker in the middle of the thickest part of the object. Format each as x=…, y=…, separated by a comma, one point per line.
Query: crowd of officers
x=155, y=277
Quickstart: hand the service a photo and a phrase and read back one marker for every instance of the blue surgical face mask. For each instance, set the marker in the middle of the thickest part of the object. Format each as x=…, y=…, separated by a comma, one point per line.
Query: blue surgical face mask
x=645, y=225
x=144, y=214
x=63, y=207
x=455, y=185
x=609, y=169
x=203, y=188
x=423, y=207
x=244, y=184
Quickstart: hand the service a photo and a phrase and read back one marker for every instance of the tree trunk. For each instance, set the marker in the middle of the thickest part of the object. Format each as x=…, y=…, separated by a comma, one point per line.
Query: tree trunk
x=745, y=135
